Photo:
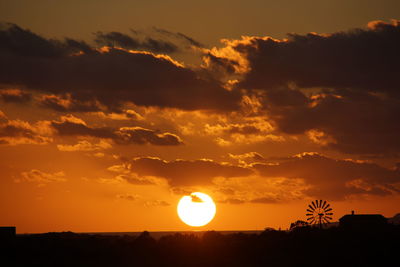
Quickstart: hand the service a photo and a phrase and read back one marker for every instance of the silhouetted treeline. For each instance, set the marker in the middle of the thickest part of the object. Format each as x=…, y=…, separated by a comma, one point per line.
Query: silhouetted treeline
x=303, y=246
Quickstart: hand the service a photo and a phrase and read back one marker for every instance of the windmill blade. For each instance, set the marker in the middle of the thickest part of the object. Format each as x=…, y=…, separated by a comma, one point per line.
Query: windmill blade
x=309, y=218
x=309, y=214
x=311, y=207
x=330, y=218
x=330, y=213
x=320, y=203
x=327, y=206
x=326, y=220
x=312, y=203
x=323, y=205
x=310, y=210
x=328, y=210
x=312, y=221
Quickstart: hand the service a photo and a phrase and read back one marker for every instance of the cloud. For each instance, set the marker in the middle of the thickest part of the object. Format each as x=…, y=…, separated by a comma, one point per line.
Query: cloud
x=72, y=126
x=289, y=179
x=252, y=131
x=66, y=103
x=127, y=114
x=125, y=175
x=179, y=35
x=185, y=172
x=85, y=146
x=246, y=158
x=79, y=77
x=334, y=179
x=351, y=122
x=15, y=41
x=42, y=178
x=139, y=135
x=360, y=58
x=15, y=96
x=135, y=180
x=257, y=189
x=2, y=115
x=130, y=197
x=18, y=132
x=147, y=203
x=157, y=203
x=340, y=89
x=118, y=39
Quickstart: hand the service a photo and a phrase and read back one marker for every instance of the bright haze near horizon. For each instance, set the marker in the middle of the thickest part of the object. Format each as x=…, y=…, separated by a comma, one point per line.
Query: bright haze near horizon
x=111, y=111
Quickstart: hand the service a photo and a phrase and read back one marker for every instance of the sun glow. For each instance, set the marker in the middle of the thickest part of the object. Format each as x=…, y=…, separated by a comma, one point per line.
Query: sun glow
x=198, y=209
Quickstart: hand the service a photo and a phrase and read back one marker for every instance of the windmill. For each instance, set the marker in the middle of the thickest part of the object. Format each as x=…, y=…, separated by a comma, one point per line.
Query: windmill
x=319, y=212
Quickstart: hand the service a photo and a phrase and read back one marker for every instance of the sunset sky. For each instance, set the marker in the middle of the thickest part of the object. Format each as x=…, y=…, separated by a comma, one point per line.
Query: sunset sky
x=111, y=111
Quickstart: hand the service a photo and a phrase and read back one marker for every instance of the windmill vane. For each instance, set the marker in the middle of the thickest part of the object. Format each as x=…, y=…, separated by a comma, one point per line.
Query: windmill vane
x=319, y=212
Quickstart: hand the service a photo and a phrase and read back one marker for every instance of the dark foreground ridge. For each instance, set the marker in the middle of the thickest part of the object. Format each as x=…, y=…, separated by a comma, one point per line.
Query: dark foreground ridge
x=303, y=246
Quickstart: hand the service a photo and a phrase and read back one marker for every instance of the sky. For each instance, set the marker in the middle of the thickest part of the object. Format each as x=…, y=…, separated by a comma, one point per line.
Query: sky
x=111, y=111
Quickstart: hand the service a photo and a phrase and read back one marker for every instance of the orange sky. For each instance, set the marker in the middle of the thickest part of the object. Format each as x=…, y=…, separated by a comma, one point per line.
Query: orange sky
x=110, y=113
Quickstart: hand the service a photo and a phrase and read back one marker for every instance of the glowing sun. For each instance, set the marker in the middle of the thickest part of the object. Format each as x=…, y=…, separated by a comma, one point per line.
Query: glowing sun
x=198, y=209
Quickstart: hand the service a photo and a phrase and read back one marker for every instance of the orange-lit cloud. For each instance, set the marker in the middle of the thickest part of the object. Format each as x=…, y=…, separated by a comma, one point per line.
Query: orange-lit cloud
x=72, y=126
x=17, y=132
x=84, y=145
x=335, y=179
x=14, y=95
x=185, y=172
x=41, y=178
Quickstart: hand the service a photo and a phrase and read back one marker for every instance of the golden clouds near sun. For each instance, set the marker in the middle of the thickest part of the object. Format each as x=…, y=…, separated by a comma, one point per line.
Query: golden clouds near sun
x=198, y=209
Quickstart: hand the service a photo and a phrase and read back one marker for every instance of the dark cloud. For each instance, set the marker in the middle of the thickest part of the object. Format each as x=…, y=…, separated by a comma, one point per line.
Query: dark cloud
x=341, y=89
x=21, y=43
x=17, y=132
x=110, y=77
x=346, y=120
x=219, y=65
x=15, y=96
x=365, y=59
x=179, y=35
x=335, y=179
x=72, y=126
x=196, y=198
x=118, y=39
x=138, y=135
x=248, y=157
x=66, y=103
x=185, y=172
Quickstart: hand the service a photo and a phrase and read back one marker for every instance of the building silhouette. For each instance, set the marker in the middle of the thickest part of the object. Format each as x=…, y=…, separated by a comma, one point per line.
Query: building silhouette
x=363, y=221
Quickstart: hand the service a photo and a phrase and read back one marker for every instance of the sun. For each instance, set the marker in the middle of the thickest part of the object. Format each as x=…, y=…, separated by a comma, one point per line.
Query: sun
x=198, y=209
